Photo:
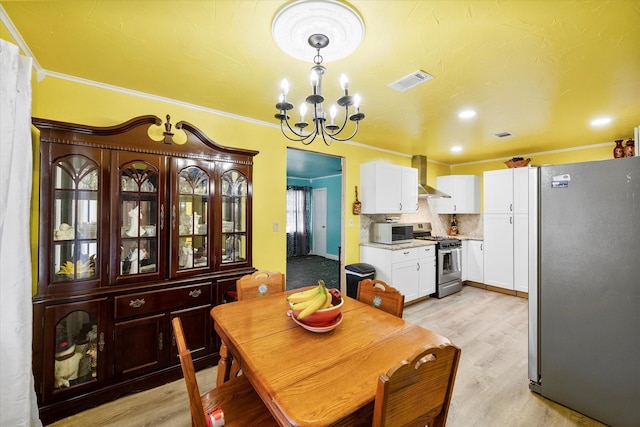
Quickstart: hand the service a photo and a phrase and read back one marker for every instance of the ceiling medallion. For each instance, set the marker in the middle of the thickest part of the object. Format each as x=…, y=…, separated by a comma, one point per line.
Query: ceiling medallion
x=318, y=22
x=297, y=21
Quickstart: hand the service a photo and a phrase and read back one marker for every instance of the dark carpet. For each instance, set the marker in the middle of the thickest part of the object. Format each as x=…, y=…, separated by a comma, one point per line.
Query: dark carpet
x=308, y=269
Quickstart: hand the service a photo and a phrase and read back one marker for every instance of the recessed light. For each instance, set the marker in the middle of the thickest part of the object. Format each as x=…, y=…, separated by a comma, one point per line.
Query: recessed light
x=456, y=149
x=600, y=121
x=466, y=114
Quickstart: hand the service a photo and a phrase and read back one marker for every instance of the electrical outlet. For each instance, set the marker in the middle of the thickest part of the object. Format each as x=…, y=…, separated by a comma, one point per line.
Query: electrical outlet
x=350, y=223
x=276, y=226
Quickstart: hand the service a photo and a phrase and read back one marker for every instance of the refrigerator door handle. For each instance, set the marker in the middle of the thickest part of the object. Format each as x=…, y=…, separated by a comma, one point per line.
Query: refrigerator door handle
x=534, y=334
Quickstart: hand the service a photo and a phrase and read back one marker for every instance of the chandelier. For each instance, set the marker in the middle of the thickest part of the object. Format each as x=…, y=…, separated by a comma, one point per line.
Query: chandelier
x=328, y=130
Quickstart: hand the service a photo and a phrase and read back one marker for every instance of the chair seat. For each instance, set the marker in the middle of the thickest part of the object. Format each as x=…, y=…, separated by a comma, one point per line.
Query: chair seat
x=240, y=403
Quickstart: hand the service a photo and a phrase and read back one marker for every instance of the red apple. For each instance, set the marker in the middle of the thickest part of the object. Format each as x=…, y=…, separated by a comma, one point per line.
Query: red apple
x=335, y=296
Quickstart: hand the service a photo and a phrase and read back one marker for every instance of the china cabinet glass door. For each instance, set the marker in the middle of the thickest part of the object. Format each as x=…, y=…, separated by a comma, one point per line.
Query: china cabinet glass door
x=234, y=216
x=141, y=224
x=75, y=211
x=192, y=218
x=75, y=335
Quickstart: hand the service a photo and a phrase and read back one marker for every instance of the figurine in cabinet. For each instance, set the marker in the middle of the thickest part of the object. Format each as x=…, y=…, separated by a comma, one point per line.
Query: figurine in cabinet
x=186, y=256
x=66, y=364
x=134, y=220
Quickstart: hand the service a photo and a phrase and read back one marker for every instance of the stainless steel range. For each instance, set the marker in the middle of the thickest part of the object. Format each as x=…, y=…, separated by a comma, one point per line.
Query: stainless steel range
x=448, y=260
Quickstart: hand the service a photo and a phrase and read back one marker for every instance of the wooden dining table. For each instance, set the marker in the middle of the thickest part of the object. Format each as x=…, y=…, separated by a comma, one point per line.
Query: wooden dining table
x=317, y=379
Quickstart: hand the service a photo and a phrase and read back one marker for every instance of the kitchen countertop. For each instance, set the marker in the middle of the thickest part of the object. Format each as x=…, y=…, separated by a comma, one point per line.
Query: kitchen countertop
x=468, y=237
x=415, y=243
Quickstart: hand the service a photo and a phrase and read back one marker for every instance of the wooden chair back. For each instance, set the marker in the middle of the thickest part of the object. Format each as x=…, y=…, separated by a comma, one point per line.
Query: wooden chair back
x=253, y=285
x=260, y=283
x=380, y=295
x=238, y=400
x=417, y=392
x=195, y=402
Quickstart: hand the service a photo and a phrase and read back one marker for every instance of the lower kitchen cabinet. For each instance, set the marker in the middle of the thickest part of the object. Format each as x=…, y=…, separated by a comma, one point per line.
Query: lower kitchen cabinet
x=412, y=271
x=473, y=260
x=427, y=269
x=498, y=250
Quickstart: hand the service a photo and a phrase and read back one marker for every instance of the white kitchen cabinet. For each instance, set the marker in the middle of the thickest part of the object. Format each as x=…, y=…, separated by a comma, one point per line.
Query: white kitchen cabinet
x=412, y=271
x=388, y=189
x=506, y=224
x=464, y=191
x=427, y=270
x=473, y=260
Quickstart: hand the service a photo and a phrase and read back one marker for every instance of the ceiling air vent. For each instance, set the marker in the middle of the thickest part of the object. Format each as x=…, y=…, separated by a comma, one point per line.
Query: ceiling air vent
x=412, y=80
x=503, y=134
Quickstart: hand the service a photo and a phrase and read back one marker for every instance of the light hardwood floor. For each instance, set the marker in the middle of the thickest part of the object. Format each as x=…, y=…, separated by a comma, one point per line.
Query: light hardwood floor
x=491, y=386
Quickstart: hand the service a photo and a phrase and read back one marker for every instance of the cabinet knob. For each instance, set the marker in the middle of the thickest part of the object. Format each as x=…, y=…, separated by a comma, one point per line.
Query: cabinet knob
x=136, y=303
x=195, y=293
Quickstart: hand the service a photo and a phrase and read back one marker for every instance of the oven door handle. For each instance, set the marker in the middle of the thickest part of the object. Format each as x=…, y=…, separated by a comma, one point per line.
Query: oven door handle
x=444, y=252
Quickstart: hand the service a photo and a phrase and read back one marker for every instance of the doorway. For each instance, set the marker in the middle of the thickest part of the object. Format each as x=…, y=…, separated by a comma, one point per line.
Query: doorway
x=320, y=175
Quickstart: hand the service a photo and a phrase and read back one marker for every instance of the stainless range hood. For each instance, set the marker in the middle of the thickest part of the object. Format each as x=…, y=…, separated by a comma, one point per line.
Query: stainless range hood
x=420, y=163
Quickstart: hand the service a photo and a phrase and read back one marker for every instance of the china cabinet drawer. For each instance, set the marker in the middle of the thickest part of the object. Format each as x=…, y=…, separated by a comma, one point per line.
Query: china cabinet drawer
x=154, y=301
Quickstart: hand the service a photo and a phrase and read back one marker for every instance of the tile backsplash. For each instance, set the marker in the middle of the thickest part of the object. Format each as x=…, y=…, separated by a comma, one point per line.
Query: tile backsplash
x=468, y=224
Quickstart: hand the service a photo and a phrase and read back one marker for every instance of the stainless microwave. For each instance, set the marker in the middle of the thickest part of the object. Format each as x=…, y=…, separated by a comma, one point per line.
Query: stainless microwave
x=389, y=233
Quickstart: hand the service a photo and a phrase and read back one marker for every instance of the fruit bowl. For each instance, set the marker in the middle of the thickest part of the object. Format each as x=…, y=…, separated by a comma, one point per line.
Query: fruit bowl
x=517, y=162
x=321, y=317
x=319, y=329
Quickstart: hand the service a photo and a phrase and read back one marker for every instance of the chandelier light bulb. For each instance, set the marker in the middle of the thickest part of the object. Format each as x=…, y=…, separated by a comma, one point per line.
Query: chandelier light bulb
x=285, y=87
x=314, y=78
x=303, y=111
x=344, y=82
x=356, y=101
x=332, y=113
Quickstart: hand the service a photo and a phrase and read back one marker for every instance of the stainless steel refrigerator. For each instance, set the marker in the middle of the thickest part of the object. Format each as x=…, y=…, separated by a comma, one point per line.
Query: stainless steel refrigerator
x=584, y=294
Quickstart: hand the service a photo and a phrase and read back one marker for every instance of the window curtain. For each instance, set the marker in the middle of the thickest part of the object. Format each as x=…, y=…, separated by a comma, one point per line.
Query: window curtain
x=298, y=220
x=18, y=406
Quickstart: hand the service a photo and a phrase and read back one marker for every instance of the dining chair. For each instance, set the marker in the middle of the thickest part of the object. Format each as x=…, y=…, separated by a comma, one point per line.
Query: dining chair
x=255, y=285
x=380, y=295
x=260, y=283
x=417, y=392
x=237, y=398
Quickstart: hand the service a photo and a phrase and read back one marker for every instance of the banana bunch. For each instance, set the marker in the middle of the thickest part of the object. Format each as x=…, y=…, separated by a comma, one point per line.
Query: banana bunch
x=310, y=301
x=80, y=268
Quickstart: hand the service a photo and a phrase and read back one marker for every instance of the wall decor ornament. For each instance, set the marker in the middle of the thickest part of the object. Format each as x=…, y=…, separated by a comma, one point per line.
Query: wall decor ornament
x=618, y=150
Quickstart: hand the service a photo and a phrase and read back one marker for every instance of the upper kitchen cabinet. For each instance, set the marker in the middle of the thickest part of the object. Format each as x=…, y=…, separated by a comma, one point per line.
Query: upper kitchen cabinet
x=135, y=228
x=388, y=189
x=508, y=191
x=464, y=191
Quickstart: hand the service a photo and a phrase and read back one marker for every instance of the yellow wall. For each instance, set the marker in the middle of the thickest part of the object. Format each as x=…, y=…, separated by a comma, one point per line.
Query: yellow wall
x=68, y=101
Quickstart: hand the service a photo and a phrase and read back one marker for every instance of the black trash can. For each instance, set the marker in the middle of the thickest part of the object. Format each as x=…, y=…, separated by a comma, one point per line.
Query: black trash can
x=356, y=273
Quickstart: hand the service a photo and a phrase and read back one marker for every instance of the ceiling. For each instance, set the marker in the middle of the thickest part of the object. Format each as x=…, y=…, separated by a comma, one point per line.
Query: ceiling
x=541, y=70
x=307, y=165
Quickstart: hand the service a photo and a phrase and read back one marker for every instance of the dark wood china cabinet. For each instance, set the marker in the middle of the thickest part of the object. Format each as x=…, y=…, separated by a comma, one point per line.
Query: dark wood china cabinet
x=136, y=226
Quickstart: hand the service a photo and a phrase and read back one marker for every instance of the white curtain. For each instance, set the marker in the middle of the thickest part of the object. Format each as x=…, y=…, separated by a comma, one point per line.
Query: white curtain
x=18, y=405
